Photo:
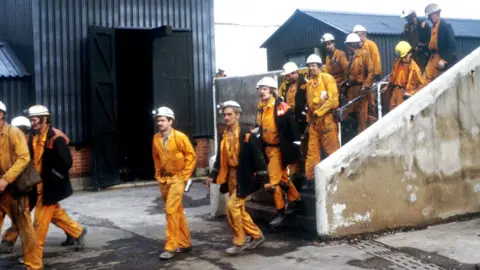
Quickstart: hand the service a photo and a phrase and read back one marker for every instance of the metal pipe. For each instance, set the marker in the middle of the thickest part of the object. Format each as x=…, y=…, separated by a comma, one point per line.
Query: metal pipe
x=379, y=98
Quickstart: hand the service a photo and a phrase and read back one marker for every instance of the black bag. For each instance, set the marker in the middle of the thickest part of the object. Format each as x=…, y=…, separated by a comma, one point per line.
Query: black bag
x=27, y=179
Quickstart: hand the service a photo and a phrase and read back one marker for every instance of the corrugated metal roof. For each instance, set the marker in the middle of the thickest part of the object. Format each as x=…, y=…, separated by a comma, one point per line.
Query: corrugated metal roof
x=386, y=24
x=379, y=24
x=10, y=65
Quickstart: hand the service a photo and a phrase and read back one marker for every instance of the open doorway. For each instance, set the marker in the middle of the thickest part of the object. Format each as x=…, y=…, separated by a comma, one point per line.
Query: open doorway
x=134, y=70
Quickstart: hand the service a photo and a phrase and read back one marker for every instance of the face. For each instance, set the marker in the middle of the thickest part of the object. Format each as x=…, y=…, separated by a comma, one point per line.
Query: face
x=38, y=122
x=351, y=47
x=411, y=18
x=265, y=93
x=2, y=115
x=435, y=17
x=407, y=58
x=163, y=123
x=363, y=35
x=330, y=45
x=314, y=69
x=230, y=117
x=292, y=77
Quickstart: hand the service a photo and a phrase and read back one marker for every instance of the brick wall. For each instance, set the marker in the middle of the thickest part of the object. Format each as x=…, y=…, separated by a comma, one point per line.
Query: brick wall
x=202, y=149
x=82, y=162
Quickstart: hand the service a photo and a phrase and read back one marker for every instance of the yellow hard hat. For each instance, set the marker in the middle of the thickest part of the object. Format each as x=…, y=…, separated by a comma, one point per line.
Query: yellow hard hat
x=403, y=48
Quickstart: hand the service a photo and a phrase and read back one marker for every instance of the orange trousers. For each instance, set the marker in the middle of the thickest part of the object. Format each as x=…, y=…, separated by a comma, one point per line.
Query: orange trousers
x=277, y=173
x=241, y=222
x=431, y=71
x=177, y=234
x=44, y=214
x=322, y=135
x=360, y=108
x=19, y=212
x=396, y=98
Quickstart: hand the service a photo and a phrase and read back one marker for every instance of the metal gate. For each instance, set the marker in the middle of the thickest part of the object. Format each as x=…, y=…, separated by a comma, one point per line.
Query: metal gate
x=103, y=97
x=173, y=76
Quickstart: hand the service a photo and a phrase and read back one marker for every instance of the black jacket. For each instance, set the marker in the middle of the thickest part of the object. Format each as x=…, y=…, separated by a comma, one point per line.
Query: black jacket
x=287, y=131
x=300, y=100
x=251, y=170
x=447, y=46
x=56, y=162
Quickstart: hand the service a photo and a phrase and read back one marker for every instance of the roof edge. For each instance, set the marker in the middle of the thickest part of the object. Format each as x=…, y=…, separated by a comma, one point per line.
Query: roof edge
x=297, y=11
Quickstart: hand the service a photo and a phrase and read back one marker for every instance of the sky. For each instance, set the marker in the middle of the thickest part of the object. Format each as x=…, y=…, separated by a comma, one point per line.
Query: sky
x=241, y=26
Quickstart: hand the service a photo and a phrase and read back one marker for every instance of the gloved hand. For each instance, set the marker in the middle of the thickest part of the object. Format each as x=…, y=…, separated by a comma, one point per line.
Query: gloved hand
x=364, y=90
x=377, y=78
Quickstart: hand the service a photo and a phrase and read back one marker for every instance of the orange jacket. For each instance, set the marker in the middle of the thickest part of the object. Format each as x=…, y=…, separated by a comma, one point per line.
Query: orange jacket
x=361, y=71
x=12, y=166
x=316, y=104
x=176, y=159
x=337, y=65
x=372, y=48
x=409, y=78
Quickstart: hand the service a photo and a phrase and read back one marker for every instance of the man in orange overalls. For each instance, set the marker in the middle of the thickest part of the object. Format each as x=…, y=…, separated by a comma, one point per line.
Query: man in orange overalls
x=278, y=132
x=372, y=48
x=52, y=159
x=442, y=46
x=13, y=161
x=322, y=98
x=360, y=79
x=406, y=78
x=240, y=169
x=174, y=159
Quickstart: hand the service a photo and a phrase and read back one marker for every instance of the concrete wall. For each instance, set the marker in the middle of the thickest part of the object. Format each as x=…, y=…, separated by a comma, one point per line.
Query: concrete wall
x=418, y=164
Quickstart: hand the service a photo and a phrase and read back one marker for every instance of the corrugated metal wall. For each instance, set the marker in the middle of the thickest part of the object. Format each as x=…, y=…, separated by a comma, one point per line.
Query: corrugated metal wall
x=60, y=30
x=303, y=32
x=15, y=93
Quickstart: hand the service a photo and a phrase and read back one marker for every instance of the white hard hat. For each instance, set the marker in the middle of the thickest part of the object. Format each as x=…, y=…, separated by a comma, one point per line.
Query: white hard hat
x=229, y=103
x=359, y=28
x=353, y=38
x=432, y=8
x=163, y=111
x=21, y=121
x=289, y=68
x=267, y=81
x=313, y=58
x=407, y=12
x=327, y=37
x=3, y=107
x=38, y=110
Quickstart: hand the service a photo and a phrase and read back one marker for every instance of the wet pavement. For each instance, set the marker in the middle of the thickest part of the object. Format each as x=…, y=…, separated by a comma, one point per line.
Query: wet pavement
x=126, y=230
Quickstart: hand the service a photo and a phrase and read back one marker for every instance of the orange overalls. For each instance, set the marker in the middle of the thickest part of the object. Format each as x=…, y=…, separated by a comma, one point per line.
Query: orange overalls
x=44, y=214
x=337, y=66
x=323, y=133
x=360, y=76
x=431, y=71
x=276, y=172
x=406, y=80
x=174, y=160
x=372, y=48
x=238, y=217
x=15, y=157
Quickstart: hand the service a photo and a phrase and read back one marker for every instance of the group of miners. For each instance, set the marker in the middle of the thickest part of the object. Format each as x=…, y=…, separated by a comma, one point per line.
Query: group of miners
x=26, y=142
x=294, y=125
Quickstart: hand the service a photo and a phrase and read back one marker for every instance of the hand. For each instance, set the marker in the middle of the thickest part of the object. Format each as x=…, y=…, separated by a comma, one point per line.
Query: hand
x=3, y=184
x=209, y=181
x=377, y=78
x=441, y=64
x=268, y=187
x=364, y=90
x=324, y=95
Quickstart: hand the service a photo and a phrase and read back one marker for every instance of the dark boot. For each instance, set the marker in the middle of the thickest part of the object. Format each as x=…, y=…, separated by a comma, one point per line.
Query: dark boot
x=278, y=218
x=80, y=241
x=6, y=247
x=292, y=207
x=309, y=186
x=70, y=241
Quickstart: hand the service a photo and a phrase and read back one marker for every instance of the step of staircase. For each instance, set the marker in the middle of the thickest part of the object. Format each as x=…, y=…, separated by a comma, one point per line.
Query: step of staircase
x=261, y=207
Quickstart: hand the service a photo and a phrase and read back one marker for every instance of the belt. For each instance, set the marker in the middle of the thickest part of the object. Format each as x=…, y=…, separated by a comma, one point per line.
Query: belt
x=271, y=145
x=166, y=174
